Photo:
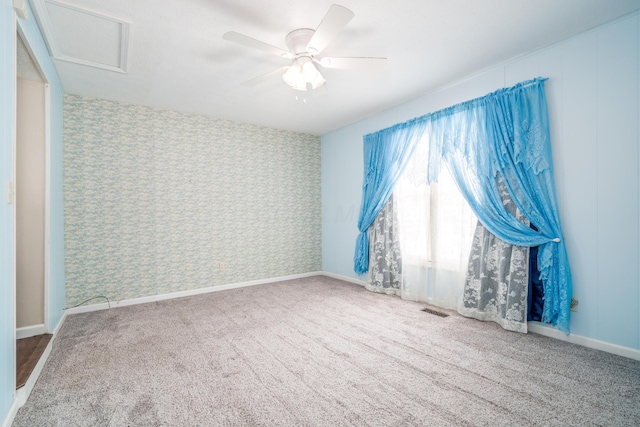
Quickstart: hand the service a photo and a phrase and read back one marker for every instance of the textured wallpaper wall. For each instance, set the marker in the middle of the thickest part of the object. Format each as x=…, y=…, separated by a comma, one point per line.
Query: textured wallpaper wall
x=159, y=201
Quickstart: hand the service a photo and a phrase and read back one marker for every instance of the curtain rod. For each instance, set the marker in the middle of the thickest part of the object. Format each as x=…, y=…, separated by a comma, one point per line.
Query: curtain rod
x=459, y=106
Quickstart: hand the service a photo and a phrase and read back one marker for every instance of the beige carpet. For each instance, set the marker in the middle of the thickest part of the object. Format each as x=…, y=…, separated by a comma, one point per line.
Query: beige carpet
x=319, y=352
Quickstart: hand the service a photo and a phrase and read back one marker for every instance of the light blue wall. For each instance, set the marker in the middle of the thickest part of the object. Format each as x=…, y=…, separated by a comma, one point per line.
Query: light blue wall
x=57, y=289
x=7, y=124
x=341, y=193
x=593, y=106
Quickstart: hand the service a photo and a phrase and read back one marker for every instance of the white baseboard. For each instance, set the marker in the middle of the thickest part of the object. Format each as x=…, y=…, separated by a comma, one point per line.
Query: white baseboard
x=29, y=331
x=344, y=278
x=538, y=328
x=60, y=323
x=180, y=294
x=21, y=395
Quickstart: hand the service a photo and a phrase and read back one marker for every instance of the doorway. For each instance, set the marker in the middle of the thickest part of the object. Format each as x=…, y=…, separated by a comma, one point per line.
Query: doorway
x=31, y=211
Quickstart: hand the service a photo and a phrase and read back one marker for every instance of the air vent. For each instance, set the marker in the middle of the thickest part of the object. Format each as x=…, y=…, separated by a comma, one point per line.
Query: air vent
x=434, y=312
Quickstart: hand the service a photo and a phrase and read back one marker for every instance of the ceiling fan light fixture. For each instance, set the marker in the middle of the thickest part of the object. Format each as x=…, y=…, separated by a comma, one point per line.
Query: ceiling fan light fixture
x=318, y=81
x=291, y=75
x=300, y=83
x=309, y=71
x=303, y=73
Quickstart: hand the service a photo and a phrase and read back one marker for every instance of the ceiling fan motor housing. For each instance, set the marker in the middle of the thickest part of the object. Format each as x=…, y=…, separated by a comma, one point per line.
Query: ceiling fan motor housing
x=297, y=41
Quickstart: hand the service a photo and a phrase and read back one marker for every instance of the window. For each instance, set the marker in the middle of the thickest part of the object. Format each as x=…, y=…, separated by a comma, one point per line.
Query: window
x=436, y=229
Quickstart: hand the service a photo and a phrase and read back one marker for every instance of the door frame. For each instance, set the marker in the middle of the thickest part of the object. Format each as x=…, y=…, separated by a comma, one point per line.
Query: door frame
x=20, y=33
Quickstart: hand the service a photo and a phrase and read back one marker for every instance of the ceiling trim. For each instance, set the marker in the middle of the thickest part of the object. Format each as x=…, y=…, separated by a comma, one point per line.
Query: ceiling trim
x=42, y=16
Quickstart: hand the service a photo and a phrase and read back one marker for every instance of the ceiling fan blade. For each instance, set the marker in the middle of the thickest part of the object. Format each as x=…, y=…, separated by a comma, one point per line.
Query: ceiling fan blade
x=232, y=36
x=333, y=22
x=271, y=74
x=366, y=63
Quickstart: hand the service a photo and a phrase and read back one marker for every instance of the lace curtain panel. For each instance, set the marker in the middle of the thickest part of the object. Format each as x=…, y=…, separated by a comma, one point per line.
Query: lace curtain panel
x=385, y=258
x=496, y=287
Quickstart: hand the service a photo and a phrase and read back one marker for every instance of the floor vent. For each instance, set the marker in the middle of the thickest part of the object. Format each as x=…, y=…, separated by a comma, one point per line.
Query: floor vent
x=437, y=313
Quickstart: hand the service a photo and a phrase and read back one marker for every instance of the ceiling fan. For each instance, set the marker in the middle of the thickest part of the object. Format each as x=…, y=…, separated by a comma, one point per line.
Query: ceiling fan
x=305, y=52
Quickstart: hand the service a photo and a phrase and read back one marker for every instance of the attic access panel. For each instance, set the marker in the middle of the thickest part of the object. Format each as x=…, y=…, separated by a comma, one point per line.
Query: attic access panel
x=83, y=37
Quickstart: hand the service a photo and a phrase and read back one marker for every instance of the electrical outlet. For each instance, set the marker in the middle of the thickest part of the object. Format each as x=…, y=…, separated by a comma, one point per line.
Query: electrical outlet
x=574, y=304
x=221, y=266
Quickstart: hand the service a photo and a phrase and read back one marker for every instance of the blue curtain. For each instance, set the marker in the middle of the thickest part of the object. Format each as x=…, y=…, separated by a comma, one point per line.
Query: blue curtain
x=505, y=132
x=386, y=154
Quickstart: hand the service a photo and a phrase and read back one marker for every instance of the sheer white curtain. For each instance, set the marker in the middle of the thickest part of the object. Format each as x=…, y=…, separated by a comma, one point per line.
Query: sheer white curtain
x=436, y=229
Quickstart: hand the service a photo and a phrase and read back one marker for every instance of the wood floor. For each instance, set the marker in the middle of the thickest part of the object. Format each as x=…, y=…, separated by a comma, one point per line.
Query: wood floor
x=28, y=352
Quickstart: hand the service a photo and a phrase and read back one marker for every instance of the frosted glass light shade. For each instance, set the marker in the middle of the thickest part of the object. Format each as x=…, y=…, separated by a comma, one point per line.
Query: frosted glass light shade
x=302, y=73
x=318, y=81
x=291, y=75
x=309, y=71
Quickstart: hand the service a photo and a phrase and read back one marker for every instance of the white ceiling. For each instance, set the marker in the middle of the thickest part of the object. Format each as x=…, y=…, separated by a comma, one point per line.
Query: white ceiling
x=178, y=60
